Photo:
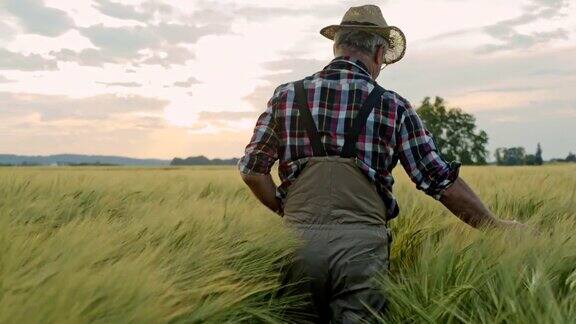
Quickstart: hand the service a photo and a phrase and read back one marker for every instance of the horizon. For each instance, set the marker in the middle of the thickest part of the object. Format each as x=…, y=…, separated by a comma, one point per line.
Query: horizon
x=489, y=160
x=158, y=79
x=120, y=156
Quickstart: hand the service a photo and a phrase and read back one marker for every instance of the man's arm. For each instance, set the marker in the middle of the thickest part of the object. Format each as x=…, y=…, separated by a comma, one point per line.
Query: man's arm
x=260, y=155
x=264, y=189
x=461, y=200
x=437, y=178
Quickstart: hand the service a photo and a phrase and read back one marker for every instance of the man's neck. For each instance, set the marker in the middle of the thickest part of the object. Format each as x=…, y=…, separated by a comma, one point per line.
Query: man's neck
x=365, y=59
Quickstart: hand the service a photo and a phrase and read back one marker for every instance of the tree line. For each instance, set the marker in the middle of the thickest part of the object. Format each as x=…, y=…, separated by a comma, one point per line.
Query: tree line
x=457, y=137
x=518, y=156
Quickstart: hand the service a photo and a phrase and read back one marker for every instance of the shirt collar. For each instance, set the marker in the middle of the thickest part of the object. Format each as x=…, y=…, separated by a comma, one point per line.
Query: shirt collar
x=348, y=63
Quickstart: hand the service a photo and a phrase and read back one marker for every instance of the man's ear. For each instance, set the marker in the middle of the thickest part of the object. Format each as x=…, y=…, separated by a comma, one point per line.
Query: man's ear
x=379, y=57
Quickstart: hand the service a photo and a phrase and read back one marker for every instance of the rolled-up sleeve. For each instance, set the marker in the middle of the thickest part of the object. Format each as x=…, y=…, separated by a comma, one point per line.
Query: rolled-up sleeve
x=262, y=151
x=419, y=156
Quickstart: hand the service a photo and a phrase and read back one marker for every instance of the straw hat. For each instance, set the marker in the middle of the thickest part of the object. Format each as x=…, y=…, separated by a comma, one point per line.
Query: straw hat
x=369, y=18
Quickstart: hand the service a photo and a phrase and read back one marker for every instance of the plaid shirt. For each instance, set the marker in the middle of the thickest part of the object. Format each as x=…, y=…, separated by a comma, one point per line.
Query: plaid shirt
x=393, y=132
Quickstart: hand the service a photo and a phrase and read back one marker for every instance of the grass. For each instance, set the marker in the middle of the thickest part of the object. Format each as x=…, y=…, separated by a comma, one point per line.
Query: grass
x=117, y=245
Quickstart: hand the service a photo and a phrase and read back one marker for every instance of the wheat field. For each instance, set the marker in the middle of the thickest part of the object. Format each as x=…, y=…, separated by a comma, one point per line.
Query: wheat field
x=158, y=245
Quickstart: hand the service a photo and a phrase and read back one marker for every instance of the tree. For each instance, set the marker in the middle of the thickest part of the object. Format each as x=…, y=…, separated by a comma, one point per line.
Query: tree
x=454, y=132
x=538, y=156
x=516, y=156
x=512, y=156
x=499, y=155
x=571, y=157
x=202, y=160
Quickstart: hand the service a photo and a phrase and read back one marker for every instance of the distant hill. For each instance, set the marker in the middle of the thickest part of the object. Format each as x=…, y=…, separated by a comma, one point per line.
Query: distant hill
x=105, y=160
x=202, y=160
x=77, y=159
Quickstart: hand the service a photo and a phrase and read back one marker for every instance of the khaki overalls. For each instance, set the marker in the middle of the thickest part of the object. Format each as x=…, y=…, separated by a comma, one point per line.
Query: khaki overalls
x=340, y=216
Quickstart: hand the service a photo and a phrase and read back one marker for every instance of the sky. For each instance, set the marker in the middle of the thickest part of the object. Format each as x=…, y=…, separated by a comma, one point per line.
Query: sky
x=173, y=78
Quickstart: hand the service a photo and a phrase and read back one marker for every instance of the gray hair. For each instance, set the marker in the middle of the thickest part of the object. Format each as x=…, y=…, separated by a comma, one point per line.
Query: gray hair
x=359, y=40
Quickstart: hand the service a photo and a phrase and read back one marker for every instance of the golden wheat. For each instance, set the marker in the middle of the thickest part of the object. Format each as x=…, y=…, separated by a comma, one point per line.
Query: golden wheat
x=152, y=245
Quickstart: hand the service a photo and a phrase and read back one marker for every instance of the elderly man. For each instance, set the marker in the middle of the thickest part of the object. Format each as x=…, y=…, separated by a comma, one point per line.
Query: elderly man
x=338, y=135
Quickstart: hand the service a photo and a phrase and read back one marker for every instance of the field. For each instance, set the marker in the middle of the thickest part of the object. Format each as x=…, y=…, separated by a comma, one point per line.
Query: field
x=120, y=245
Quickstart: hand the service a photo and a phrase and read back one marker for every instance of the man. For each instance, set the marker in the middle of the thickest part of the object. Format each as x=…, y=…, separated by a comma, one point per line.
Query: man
x=338, y=135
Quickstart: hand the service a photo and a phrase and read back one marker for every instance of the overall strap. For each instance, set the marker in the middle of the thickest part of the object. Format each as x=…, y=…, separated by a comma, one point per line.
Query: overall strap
x=349, y=148
x=301, y=100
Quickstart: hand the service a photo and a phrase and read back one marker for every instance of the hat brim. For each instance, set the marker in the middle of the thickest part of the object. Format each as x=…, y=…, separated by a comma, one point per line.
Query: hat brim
x=393, y=34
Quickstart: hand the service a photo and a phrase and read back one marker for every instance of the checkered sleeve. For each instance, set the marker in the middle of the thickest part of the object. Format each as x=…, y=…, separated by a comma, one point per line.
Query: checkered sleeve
x=419, y=156
x=262, y=151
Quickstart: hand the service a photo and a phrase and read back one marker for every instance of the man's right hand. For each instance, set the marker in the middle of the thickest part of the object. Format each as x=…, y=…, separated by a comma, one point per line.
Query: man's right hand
x=461, y=200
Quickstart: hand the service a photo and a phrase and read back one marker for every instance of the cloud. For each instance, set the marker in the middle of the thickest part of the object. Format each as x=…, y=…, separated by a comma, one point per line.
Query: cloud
x=291, y=69
x=332, y=9
x=260, y=12
x=166, y=56
x=128, y=40
x=32, y=62
x=121, y=84
x=511, y=39
x=515, y=40
x=551, y=5
x=122, y=41
x=451, y=34
x=210, y=12
x=57, y=107
x=506, y=31
x=88, y=57
x=223, y=12
x=36, y=18
x=281, y=71
x=6, y=32
x=159, y=44
x=429, y=73
x=122, y=11
x=260, y=96
x=180, y=33
x=185, y=84
x=4, y=79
